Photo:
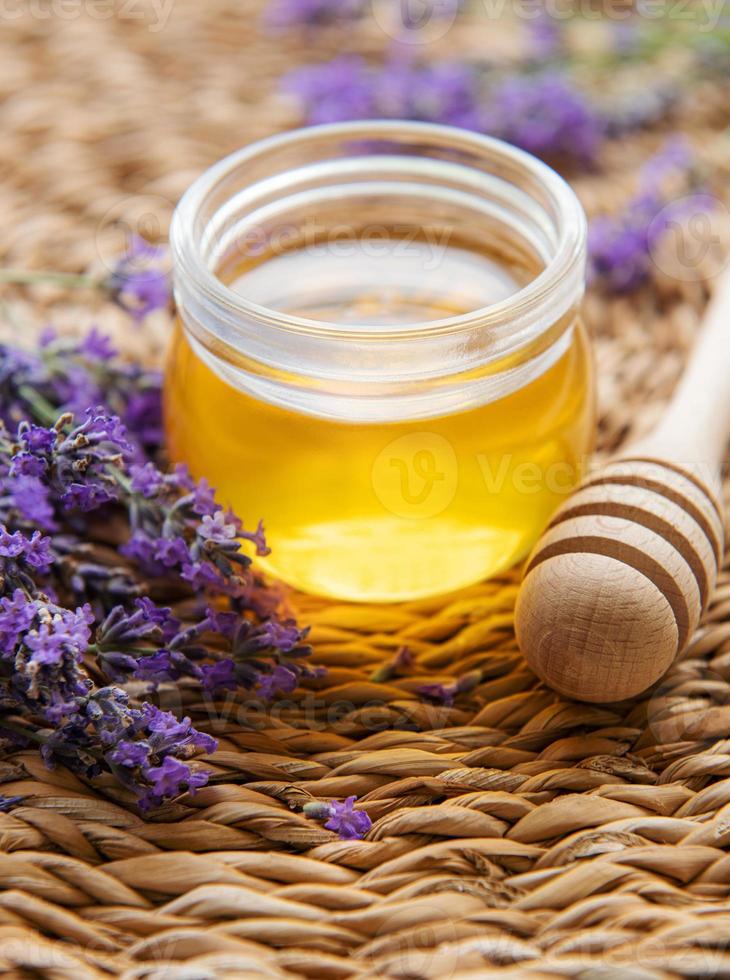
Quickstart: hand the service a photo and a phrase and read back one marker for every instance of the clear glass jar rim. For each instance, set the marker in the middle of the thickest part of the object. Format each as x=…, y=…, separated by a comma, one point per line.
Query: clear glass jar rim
x=569, y=252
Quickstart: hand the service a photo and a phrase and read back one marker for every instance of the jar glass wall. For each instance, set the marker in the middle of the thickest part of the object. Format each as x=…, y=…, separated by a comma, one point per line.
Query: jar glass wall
x=379, y=351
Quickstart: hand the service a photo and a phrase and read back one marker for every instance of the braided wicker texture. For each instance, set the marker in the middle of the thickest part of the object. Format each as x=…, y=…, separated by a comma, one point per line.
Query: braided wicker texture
x=513, y=833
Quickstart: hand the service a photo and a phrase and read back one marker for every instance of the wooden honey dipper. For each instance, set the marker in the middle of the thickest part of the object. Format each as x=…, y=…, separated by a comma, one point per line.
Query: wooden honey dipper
x=615, y=587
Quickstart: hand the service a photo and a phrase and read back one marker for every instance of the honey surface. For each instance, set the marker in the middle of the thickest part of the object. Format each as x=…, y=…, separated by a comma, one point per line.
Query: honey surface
x=397, y=509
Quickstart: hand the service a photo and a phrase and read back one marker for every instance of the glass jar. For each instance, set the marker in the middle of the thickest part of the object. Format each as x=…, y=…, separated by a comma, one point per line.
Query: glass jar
x=379, y=351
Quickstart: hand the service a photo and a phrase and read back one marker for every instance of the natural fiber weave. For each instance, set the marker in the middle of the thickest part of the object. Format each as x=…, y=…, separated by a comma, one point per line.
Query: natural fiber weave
x=514, y=833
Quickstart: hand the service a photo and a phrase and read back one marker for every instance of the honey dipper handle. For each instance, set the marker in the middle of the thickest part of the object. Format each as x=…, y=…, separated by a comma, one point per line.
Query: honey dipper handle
x=695, y=427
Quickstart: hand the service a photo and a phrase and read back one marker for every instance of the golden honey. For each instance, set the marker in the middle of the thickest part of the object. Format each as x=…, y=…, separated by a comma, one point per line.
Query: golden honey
x=382, y=477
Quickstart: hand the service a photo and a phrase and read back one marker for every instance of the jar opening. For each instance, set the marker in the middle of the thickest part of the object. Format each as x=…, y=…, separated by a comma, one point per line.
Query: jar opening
x=315, y=185
x=253, y=234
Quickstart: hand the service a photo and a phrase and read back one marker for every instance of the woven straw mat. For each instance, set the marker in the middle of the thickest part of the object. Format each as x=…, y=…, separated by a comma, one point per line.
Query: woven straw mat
x=514, y=833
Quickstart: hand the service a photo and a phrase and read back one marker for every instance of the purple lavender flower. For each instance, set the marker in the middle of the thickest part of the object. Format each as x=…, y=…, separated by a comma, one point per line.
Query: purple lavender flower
x=170, y=779
x=204, y=499
x=143, y=415
x=438, y=693
x=12, y=545
x=64, y=632
x=37, y=438
x=675, y=156
x=546, y=115
x=446, y=92
x=284, y=14
x=447, y=694
x=219, y=676
x=218, y=528
x=335, y=91
x=17, y=612
x=86, y=496
x=347, y=88
x=47, y=336
x=284, y=636
x=203, y=577
x=224, y=623
x=257, y=538
x=403, y=660
x=45, y=645
x=280, y=679
x=99, y=428
x=140, y=282
x=165, y=731
x=175, y=526
x=545, y=36
x=22, y=555
x=129, y=753
x=348, y=823
x=157, y=616
x=620, y=246
x=170, y=552
x=97, y=346
x=146, y=479
x=73, y=464
x=38, y=553
x=8, y=802
x=26, y=464
x=164, y=665
x=30, y=498
x=142, y=548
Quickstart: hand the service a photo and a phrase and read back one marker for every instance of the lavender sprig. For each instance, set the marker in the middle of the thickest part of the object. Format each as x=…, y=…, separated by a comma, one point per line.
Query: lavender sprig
x=73, y=612
x=177, y=531
x=69, y=375
x=139, y=282
x=43, y=680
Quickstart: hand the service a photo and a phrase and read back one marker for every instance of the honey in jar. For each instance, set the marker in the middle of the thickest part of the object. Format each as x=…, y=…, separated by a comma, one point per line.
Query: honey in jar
x=379, y=351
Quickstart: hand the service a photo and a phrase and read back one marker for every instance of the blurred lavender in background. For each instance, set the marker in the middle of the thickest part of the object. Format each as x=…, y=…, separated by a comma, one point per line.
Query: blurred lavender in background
x=285, y=14
x=547, y=115
x=550, y=100
x=543, y=114
x=348, y=88
x=620, y=245
x=545, y=37
x=410, y=14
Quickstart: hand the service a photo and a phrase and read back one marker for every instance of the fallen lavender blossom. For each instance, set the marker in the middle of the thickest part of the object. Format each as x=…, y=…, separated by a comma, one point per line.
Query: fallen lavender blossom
x=446, y=694
x=76, y=619
x=342, y=818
